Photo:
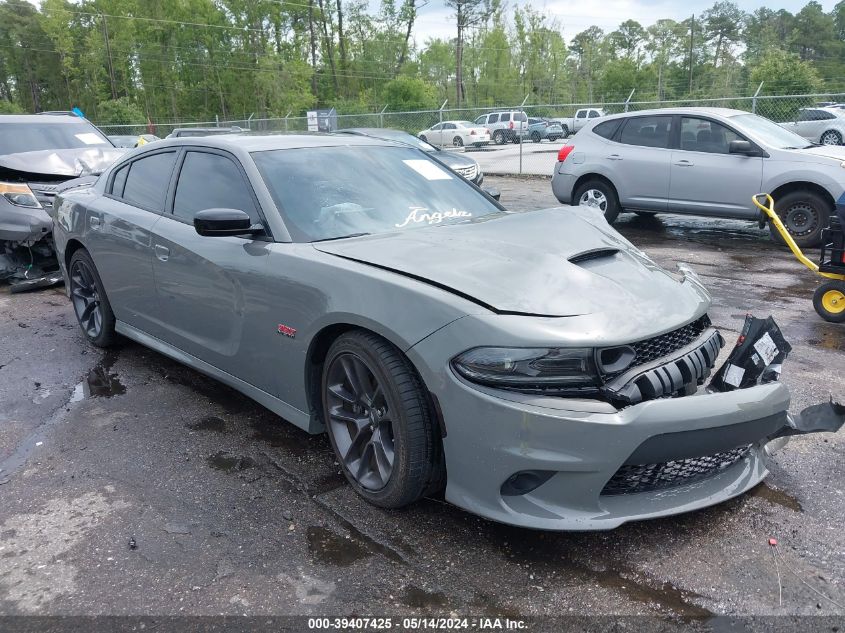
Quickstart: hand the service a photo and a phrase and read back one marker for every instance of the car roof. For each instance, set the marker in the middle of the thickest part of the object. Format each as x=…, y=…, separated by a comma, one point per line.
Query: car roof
x=261, y=143
x=718, y=112
x=53, y=119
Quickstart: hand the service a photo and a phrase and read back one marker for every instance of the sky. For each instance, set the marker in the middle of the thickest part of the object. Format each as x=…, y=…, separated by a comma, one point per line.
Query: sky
x=436, y=20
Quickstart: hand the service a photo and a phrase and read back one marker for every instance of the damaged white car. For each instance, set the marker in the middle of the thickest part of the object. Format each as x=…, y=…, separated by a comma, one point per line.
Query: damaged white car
x=39, y=154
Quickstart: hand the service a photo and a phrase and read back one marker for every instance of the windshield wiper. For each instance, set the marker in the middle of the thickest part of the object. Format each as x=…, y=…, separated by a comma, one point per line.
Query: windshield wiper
x=339, y=237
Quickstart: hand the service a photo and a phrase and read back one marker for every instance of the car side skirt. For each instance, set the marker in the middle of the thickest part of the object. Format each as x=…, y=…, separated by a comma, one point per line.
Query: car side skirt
x=303, y=420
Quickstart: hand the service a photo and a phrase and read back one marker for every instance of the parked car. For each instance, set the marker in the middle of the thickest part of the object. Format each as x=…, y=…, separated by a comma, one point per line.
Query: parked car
x=132, y=140
x=539, y=129
x=37, y=154
x=583, y=116
x=379, y=301
x=819, y=125
x=457, y=133
x=505, y=127
x=182, y=132
x=701, y=161
x=461, y=164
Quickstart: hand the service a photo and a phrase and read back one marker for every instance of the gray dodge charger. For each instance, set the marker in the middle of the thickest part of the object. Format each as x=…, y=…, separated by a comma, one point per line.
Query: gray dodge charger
x=537, y=366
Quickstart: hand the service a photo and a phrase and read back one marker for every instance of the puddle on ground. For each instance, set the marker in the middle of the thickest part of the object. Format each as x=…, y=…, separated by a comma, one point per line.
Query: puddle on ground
x=827, y=336
x=778, y=497
x=208, y=423
x=228, y=463
x=100, y=382
x=329, y=548
x=417, y=598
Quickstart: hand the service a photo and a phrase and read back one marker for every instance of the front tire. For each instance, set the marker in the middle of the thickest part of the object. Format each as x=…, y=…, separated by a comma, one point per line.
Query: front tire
x=535, y=136
x=805, y=214
x=599, y=195
x=423, y=138
x=565, y=131
x=831, y=137
x=829, y=301
x=379, y=421
x=90, y=302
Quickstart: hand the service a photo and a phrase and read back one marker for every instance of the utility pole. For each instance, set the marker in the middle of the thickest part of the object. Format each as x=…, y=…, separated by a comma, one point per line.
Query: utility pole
x=108, y=54
x=691, y=36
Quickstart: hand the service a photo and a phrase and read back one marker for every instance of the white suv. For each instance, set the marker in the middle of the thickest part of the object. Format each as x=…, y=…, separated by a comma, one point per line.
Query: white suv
x=505, y=126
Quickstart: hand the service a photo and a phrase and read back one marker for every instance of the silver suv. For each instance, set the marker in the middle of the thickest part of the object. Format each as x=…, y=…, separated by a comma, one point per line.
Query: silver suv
x=509, y=126
x=701, y=161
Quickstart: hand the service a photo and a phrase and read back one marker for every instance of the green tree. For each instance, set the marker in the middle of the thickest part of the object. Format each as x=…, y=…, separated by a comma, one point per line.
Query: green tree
x=784, y=73
x=409, y=93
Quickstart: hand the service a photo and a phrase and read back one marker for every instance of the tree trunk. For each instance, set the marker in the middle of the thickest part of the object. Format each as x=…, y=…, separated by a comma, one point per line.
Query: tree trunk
x=412, y=16
x=459, y=58
x=340, y=38
x=327, y=45
x=313, y=47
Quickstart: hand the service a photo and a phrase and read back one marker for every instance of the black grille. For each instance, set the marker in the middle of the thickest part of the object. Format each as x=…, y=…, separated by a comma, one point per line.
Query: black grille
x=663, y=345
x=632, y=478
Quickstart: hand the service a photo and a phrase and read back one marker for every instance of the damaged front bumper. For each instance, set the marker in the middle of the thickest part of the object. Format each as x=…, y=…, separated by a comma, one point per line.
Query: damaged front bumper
x=578, y=464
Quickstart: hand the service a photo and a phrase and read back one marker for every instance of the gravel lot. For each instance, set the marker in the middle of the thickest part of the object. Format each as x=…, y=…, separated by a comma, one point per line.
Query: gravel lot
x=133, y=485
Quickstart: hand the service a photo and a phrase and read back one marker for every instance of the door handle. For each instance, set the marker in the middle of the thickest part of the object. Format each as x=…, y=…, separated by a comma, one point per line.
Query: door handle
x=94, y=223
x=685, y=163
x=162, y=252
x=614, y=157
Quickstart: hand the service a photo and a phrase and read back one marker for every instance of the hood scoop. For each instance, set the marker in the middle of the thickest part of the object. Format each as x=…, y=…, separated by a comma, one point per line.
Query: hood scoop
x=593, y=253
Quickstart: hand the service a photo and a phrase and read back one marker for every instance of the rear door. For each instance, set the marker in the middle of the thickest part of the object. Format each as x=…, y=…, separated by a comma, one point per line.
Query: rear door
x=119, y=236
x=211, y=289
x=705, y=178
x=639, y=162
x=811, y=123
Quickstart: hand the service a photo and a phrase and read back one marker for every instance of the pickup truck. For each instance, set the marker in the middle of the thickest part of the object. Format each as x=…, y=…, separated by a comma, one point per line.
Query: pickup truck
x=573, y=124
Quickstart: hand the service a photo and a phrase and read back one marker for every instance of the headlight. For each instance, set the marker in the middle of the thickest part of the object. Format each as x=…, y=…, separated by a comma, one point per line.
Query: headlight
x=19, y=195
x=558, y=370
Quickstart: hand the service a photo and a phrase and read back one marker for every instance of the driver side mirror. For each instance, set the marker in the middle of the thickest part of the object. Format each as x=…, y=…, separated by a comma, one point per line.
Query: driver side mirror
x=742, y=147
x=221, y=222
x=492, y=192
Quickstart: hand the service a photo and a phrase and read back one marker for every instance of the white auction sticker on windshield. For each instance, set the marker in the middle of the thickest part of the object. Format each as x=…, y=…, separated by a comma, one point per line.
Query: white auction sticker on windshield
x=766, y=348
x=89, y=138
x=427, y=169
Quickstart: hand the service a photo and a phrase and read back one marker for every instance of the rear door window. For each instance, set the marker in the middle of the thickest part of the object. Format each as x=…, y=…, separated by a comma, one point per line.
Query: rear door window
x=594, y=114
x=209, y=181
x=647, y=131
x=148, y=181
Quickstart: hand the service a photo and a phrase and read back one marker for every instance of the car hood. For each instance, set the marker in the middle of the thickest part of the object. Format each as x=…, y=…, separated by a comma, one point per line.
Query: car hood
x=555, y=262
x=835, y=152
x=453, y=160
x=63, y=162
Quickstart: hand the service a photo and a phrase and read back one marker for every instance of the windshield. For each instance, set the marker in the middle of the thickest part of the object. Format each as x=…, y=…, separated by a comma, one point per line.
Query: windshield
x=769, y=132
x=366, y=190
x=37, y=136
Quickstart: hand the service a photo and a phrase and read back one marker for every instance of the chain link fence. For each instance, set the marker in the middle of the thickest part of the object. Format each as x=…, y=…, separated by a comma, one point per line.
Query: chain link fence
x=519, y=144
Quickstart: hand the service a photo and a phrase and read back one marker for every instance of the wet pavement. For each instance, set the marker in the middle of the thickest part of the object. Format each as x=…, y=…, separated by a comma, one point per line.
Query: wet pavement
x=133, y=485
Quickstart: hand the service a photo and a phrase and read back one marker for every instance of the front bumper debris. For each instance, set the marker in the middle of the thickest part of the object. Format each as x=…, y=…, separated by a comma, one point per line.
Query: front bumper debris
x=29, y=267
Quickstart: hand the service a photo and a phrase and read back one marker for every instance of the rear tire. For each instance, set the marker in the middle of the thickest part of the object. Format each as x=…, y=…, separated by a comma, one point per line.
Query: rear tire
x=598, y=194
x=90, y=302
x=380, y=421
x=805, y=214
x=831, y=137
x=829, y=301
x=458, y=141
x=499, y=137
x=565, y=130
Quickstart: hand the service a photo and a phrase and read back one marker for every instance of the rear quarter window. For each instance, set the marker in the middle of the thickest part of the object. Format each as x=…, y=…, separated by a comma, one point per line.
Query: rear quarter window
x=607, y=129
x=148, y=181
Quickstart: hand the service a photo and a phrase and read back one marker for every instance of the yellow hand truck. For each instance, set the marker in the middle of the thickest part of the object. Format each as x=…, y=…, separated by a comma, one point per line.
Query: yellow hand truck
x=829, y=298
